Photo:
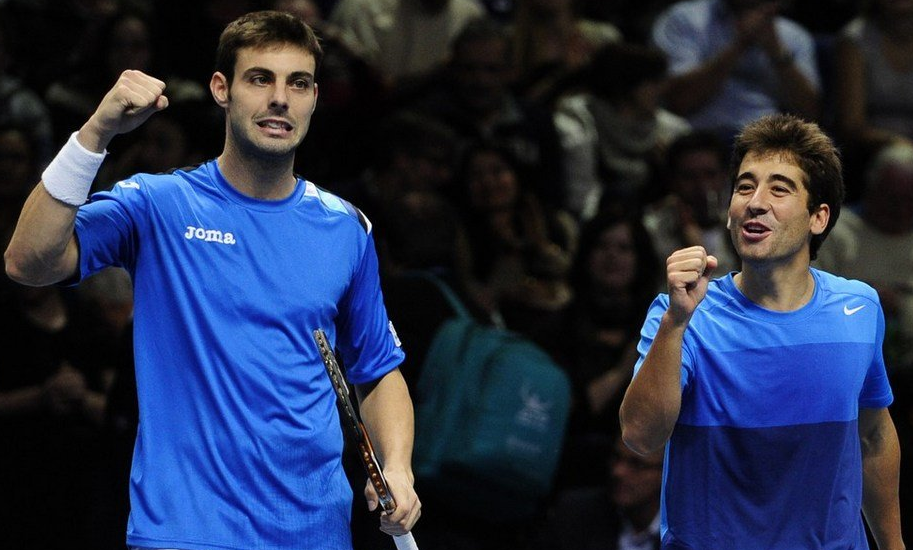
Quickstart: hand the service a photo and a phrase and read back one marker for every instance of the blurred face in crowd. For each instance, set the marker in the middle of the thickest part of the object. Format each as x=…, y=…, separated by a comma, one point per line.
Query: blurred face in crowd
x=493, y=182
x=481, y=72
x=889, y=204
x=17, y=170
x=130, y=46
x=636, y=480
x=699, y=180
x=613, y=261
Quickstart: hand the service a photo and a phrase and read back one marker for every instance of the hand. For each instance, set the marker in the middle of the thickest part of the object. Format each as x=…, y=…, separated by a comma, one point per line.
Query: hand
x=756, y=26
x=408, y=506
x=65, y=391
x=688, y=272
x=133, y=99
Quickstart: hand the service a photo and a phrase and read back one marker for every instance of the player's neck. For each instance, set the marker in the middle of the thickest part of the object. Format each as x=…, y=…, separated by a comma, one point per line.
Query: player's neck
x=786, y=288
x=267, y=179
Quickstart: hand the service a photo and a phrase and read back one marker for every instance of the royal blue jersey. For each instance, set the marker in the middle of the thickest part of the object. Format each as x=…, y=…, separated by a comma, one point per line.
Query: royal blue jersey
x=766, y=451
x=239, y=444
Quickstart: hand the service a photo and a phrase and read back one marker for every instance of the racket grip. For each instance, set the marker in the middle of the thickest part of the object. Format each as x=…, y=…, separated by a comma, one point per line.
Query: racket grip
x=405, y=542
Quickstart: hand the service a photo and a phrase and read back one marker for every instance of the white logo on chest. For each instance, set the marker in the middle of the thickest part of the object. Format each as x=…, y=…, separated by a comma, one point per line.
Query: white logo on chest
x=209, y=235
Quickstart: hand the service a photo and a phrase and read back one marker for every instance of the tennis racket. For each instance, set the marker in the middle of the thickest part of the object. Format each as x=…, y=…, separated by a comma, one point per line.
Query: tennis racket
x=357, y=431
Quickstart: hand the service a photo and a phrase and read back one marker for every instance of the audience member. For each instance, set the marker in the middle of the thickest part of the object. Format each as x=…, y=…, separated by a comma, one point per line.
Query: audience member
x=472, y=95
x=874, y=82
x=52, y=401
x=521, y=249
x=615, y=276
x=620, y=513
x=18, y=169
x=613, y=133
x=874, y=243
x=403, y=38
x=693, y=212
x=551, y=40
x=406, y=152
x=123, y=41
x=19, y=105
x=733, y=61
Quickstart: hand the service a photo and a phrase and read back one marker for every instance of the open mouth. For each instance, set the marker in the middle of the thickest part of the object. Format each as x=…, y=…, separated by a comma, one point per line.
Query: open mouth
x=755, y=230
x=272, y=124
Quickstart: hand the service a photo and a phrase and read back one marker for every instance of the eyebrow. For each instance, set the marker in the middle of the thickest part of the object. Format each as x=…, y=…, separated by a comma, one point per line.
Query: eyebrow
x=291, y=76
x=775, y=177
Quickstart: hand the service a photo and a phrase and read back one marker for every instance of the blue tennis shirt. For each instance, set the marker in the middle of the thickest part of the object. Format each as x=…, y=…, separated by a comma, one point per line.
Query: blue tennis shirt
x=239, y=444
x=766, y=451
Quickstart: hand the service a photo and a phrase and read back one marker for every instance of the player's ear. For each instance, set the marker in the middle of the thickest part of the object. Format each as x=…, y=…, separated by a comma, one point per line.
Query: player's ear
x=218, y=86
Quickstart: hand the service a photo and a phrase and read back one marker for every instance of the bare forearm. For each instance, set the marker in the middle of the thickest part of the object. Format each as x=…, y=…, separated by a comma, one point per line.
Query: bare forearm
x=386, y=410
x=881, y=479
x=652, y=402
x=42, y=250
x=689, y=91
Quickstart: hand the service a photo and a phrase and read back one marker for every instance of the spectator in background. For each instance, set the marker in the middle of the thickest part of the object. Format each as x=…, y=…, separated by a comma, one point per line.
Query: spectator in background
x=614, y=132
x=472, y=95
x=403, y=38
x=615, y=276
x=874, y=84
x=874, y=243
x=693, y=212
x=521, y=248
x=733, y=61
x=18, y=169
x=19, y=105
x=407, y=152
x=620, y=513
x=550, y=40
x=123, y=41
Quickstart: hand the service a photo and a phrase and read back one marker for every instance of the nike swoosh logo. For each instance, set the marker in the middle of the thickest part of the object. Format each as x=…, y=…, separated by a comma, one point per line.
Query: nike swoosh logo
x=850, y=311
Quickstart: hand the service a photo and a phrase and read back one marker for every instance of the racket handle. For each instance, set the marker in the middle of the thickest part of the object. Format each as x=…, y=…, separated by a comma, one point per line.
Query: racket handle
x=405, y=542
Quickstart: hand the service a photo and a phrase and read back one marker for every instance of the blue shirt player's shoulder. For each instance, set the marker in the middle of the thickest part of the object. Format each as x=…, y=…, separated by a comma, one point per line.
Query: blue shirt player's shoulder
x=334, y=203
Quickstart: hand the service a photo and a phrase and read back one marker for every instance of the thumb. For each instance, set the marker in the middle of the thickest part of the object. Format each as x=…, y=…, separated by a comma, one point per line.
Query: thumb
x=161, y=103
x=371, y=497
x=711, y=266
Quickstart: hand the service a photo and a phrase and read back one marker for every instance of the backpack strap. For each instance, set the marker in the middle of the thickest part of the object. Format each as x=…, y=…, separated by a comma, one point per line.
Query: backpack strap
x=458, y=307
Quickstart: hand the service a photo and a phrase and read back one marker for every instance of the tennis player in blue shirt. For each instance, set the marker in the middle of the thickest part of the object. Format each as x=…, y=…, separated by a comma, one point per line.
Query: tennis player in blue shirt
x=234, y=262
x=768, y=386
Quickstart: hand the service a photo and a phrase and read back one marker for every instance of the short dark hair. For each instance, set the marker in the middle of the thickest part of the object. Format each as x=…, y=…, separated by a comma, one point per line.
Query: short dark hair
x=812, y=150
x=261, y=29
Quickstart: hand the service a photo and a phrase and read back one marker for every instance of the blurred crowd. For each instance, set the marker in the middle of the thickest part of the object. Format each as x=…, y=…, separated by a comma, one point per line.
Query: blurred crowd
x=544, y=157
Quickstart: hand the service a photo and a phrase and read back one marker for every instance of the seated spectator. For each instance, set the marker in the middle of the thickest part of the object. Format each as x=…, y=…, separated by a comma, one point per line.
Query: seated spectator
x=693, y=213
x=403, y=38
x=874, y=243
x=521, y=249
x=620, y=512
x=22, y=107
x=551, y=40
x=615, y=277
x=472, y=95
x=733, y=61
x=613, y=132
x=123, y=41
x=874, y=81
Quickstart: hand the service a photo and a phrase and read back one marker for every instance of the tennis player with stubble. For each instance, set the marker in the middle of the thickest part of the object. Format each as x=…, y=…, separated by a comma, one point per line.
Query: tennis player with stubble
x=234, y=262
x=768, y=386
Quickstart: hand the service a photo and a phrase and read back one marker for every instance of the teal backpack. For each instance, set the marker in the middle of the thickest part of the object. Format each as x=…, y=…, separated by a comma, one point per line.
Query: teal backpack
x=491, y=413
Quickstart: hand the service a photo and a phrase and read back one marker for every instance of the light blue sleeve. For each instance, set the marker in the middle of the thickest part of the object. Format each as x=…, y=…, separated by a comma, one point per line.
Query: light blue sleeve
x=648, y=333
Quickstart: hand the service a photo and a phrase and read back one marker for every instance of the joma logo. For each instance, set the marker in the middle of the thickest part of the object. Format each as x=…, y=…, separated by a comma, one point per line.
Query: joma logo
x=209, y=235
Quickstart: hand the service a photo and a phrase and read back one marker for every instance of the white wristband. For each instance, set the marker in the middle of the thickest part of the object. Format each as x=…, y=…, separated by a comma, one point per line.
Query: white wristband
x=69, y=176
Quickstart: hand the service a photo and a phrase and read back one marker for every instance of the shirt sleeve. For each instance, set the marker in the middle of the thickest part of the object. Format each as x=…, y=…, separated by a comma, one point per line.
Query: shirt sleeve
x=365, y=336
x=678, y=36
x=106, y=228
x=648, y=334
x=876, y=389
